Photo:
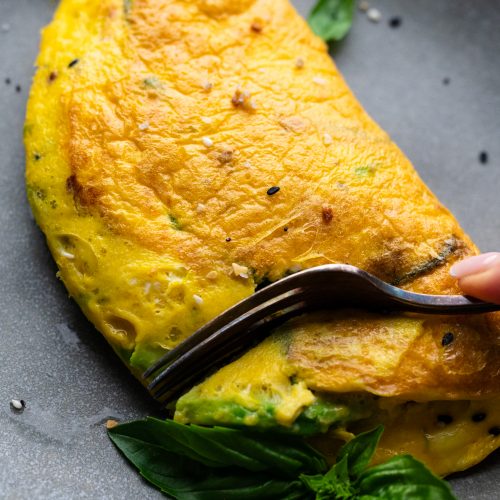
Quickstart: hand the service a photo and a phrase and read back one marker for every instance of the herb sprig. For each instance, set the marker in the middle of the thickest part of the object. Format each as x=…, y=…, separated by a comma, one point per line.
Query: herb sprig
x=190, y=462
x=332, y=19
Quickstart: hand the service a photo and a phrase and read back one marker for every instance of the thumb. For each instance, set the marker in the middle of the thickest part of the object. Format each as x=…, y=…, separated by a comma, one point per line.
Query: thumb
x=480, y=276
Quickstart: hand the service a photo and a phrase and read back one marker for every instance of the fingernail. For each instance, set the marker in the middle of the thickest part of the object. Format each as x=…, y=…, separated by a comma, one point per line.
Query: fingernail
x=475, y=265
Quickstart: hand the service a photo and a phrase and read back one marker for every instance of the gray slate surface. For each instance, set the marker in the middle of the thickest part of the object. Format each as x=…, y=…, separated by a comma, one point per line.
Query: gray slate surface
x=53, y=358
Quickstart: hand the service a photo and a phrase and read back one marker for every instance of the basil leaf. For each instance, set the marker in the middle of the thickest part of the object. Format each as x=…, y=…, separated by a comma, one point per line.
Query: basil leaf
x=224, y=447
x=332, y=19
x=186, y=479
x=360, y=451
x=402, y=477
x=335, y=484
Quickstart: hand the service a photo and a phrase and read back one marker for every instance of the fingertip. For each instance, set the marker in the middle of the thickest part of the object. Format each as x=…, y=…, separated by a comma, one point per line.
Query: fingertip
x=484, y=285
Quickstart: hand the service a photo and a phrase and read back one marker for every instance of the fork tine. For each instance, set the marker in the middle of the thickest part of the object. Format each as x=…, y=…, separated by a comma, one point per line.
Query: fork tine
x=239, y=330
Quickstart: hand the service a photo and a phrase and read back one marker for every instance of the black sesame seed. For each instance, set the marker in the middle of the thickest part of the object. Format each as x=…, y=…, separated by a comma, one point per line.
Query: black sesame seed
x=447, y=339
x=273, y=190
x=74, y=62
x=18, y=88
x=36, y=156
x=285, y=229
x=483, y=157
x=395, y=22
x=446, y=80
x=494, y=431
x=228, y=239
x=479, y=416
x=445, y=419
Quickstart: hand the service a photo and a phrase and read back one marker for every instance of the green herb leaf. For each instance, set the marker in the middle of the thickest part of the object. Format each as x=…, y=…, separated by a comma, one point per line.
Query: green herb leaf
x=402, y=477
x=360, y=451
x=332, y=19
x=224, y=447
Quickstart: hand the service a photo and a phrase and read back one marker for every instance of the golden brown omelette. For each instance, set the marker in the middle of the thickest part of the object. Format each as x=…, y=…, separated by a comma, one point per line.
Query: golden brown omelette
x=181, y=153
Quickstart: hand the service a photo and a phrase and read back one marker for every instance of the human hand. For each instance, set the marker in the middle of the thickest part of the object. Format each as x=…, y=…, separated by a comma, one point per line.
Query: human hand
x=479, y=276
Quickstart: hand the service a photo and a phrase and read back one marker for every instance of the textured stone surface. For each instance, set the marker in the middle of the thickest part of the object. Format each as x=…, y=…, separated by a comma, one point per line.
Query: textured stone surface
x=54, y=360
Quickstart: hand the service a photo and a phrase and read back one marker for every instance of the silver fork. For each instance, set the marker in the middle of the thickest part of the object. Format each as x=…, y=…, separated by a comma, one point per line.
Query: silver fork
x=328, y=286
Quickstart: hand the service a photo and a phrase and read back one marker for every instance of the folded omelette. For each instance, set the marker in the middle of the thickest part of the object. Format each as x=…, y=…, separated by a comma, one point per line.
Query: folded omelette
x=182, y=153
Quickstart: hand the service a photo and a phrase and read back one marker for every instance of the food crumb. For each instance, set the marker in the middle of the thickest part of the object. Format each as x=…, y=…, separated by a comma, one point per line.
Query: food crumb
x=197, y=299
x=206, y=119
x=483, y=157
x=327, y=214
x=243, y=99
x=374, y=15
x=200, y=208
x=395, y=22
x=363, y=6
x=299, y=63
x=17, y=405
x=256, y=27
x=240, y=271
x=110, y=423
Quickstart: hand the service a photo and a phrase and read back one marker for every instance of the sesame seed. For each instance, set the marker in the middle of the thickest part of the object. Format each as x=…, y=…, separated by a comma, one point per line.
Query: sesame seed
x=327, y=139
x=241, y=271
x=483, y=157
x=447, y=339
x=273, y=190
x=207, y=142
x=74, y=62
x=228, y=239
x=395, y=22
x=200, y=208
x=299, y=63
x=212, y=275
x=144, y=126
x=52, y=76
x=445, y=419
x=373, y=15
x=68, y=255
x=363, y=6
x=318, y=80
x=197, y=299
x=207, y=86
x=478, y=417
x=494, y=431
x=17, y=404
x=285, y=229
x=256, y=27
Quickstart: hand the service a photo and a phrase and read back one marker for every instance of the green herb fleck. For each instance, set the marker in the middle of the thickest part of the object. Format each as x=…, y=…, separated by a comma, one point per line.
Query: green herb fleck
x=332, y=19
x=175, y=222
x=152, y=82
x=364, y=171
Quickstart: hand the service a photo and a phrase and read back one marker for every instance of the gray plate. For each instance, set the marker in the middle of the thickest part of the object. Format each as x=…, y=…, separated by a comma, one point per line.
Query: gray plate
x=53, y=358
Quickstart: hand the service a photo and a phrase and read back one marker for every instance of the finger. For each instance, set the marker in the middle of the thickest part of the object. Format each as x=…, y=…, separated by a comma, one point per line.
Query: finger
x=483, y=285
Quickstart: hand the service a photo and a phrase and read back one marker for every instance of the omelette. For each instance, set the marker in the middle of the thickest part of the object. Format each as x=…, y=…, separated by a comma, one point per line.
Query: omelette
x=181, y=154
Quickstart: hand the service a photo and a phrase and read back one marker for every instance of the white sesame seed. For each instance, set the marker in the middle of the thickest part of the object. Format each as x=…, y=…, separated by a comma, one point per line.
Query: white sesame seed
x=208, y=142
x=200, y=208
x=17, y=404
x=68, y=255
x=132, y=281
x=374, y=15
x=212, y=275
x=207, y=86
x=197, y=299
x=206, y=119
x=247, y=164
x=299, y=63
x=318, y=80
x=241, y=271
x=363, y=6
x=327, y=139
x=147, y=288
x=144, y=126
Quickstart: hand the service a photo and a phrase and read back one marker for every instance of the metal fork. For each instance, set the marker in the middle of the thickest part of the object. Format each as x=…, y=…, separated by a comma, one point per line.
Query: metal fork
x=322, y=287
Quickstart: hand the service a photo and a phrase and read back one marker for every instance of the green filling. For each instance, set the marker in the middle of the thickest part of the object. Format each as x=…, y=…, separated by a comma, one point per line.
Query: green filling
x=323, y=414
